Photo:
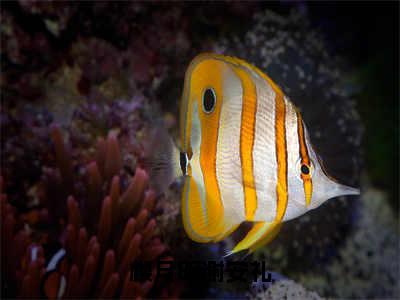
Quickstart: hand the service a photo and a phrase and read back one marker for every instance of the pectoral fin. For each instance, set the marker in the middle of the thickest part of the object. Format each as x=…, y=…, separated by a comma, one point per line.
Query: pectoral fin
x=261, y=234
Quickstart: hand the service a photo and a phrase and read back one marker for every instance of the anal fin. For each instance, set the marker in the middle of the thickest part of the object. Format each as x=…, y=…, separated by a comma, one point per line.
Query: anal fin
x=267, y=237
x=259, y=235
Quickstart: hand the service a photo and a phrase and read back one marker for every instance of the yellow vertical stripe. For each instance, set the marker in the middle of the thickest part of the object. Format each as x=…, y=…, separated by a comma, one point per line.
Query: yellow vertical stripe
x=281, y=156
x=201, y=79
x=247, y=131
x=209, y=132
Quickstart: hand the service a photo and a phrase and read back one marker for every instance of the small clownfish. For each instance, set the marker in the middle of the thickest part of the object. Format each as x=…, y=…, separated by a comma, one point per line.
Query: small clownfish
x=54, y=283
x=245, y=155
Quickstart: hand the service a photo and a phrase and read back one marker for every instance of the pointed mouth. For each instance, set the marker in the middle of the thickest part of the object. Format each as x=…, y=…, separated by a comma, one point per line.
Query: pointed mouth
x=348, y=190
x=342, y=190
x=331, y=189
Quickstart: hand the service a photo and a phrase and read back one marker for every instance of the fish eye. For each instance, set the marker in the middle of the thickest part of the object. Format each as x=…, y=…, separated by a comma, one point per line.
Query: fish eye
x=305, y=169
x=209, y=100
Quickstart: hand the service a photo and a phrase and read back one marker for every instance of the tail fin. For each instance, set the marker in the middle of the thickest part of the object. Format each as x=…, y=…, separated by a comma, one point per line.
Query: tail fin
x=162, y=159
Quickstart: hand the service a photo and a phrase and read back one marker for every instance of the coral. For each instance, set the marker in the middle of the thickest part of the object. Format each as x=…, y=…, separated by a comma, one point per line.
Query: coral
x=129, y=118
x=63, y=63
x=104, y=220
x=61, y=95
x=284, y=289
x=24, y=149
x=297, y=57
x=20, y=270
x=141, y=44
x=135, y=235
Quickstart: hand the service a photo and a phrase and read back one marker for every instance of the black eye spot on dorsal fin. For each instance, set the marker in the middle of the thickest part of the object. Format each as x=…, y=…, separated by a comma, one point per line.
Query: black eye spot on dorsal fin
x=305, y=169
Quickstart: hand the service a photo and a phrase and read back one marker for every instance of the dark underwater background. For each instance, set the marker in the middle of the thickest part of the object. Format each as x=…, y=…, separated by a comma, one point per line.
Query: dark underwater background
x=84, y=84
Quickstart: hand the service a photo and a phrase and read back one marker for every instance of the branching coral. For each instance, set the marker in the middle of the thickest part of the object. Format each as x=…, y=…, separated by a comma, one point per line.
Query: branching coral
x=104, y=224
x=20, y=271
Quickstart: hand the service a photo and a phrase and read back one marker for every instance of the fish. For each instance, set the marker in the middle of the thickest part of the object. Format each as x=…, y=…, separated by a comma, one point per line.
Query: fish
x=54, y=282
x=245, y=155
